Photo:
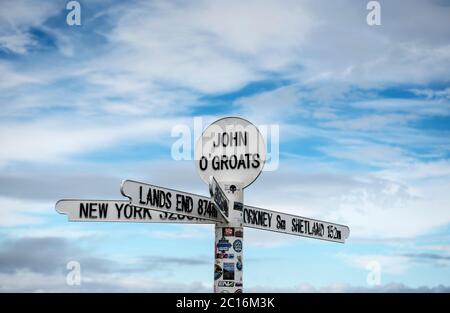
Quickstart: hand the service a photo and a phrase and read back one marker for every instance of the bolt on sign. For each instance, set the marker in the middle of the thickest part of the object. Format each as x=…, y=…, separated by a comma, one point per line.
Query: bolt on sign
x=229, y=156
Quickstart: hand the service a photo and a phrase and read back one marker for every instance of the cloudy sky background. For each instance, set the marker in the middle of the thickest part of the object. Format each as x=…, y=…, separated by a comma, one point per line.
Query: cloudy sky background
x=363, y=114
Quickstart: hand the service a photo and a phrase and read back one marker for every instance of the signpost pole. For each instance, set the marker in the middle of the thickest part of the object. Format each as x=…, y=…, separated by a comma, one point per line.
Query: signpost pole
x=228, y=252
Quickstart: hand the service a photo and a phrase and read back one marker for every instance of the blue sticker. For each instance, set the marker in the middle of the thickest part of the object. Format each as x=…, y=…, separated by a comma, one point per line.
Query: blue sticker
x=237, y=245
x=239, y=263
x=223, y=245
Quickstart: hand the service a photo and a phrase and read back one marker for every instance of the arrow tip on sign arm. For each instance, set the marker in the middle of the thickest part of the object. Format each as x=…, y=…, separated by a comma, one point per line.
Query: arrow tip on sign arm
x=122, y=187
x=64, y=207
x=347, y=232
x=59, y=206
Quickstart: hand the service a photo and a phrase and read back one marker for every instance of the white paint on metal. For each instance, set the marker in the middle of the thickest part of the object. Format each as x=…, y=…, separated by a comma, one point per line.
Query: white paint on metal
x=294, y=225
x=169, y=200
x=118, y=211
x=229, y=156
x=232, y=150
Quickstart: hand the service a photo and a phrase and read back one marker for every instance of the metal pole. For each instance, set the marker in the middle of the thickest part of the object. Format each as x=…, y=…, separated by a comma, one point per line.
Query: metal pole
x=228, y=252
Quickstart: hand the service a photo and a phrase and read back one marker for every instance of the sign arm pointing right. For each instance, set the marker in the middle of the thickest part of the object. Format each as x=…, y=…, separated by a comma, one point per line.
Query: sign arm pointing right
x=294, y=225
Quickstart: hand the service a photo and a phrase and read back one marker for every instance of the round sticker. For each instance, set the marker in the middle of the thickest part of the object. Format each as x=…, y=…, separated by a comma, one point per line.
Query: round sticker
x=239, y=263
x=237, y=245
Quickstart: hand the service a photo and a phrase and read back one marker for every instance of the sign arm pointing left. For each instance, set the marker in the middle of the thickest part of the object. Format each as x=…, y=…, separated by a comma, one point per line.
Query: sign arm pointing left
x=78, y=210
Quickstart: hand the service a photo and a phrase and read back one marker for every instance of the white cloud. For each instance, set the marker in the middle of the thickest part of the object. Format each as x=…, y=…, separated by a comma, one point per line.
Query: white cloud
x=162, y=57
x=14, y=212
x=266, y=239
x=416, y=107
x=344, y=48
x=375, y=205
x=367, y=153
x=72, y=232
x=416, y=170
x=439, y=248
x=182, y=232
x=433, y=94
x=54, y=139
x=346, y=288
x=391, y=209
x=17, y=43
x=16, y=19
x=273, y=106
x=391, y=264
x=226, y=46
x=25, y=281
x=370, y=122
x=12, y=78
x=209, y=46
x=34, y=282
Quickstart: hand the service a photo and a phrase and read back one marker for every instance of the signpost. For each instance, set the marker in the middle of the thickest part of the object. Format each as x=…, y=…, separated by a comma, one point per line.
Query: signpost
x=229, y=156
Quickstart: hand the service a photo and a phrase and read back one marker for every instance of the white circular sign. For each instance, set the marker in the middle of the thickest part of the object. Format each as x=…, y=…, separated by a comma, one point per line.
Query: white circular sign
x=232, y=150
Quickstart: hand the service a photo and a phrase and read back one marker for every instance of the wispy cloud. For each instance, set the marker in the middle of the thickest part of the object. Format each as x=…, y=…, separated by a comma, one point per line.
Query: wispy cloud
x=392, y=264
x=16, y=20
x=14, y=212
x=55, y=139
x=341, y=288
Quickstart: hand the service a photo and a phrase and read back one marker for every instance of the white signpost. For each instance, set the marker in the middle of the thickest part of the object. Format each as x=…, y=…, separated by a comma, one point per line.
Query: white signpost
x=229, y=156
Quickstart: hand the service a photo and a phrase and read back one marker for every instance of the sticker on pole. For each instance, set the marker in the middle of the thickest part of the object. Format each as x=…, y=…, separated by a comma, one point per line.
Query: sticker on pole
x=232, y=150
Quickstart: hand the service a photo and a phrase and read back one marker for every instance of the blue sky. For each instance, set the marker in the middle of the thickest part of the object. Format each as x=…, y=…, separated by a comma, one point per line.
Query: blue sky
x=363, y=114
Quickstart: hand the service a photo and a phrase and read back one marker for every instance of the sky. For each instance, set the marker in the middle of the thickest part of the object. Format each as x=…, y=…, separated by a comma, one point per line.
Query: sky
x=362, y=120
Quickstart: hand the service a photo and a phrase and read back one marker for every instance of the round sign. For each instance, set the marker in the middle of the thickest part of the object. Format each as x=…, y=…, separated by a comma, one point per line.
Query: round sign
x=232, y=150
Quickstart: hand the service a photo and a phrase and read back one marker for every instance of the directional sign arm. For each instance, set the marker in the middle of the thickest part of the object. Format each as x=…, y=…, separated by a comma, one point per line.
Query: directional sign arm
x=118, y=211
x=170, y=201
x=294, y=225
x=219, y=198
x=149, y=203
